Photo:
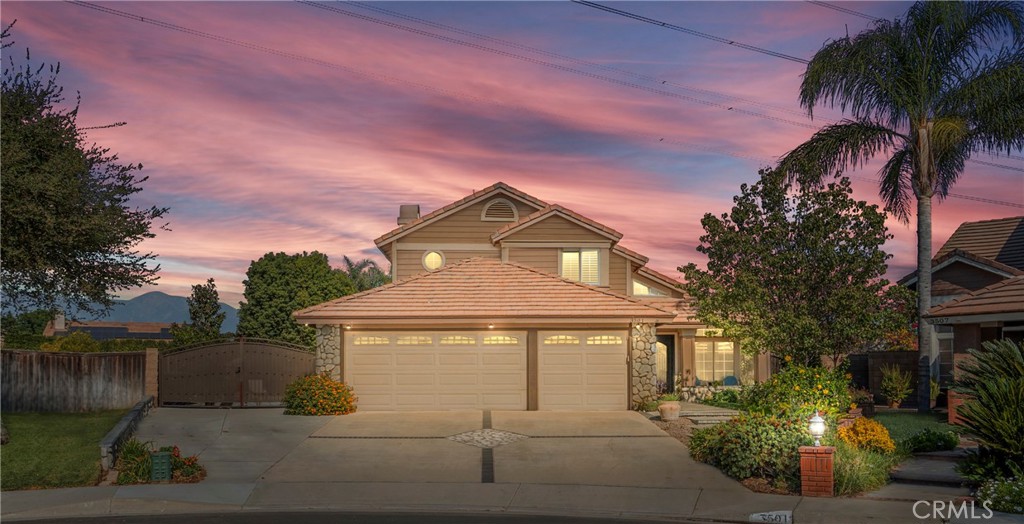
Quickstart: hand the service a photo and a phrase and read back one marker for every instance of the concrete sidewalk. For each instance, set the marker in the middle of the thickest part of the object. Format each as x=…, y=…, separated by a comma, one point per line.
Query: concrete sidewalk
x=544, y=499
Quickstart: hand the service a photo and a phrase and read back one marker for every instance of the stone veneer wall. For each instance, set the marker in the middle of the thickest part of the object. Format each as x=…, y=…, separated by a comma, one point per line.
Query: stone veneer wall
x=643, y=360
x=328, y=350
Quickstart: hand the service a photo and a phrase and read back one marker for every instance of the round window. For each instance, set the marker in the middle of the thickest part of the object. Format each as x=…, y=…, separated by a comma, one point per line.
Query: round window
x=433, y=260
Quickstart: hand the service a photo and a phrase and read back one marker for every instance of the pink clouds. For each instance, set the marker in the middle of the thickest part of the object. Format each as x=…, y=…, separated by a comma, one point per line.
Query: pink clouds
x=256, y=152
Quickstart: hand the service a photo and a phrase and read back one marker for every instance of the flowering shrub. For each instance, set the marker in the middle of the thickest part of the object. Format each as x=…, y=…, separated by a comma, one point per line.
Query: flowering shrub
x=753, y=445
x=865, y=433
x=319, y=395
x=135, y=464
x=1006, y=495
x=799, y=391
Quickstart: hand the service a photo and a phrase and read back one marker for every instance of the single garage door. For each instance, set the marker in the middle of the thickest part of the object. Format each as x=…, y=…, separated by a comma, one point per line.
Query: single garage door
x=423, y=371
x=583, y=370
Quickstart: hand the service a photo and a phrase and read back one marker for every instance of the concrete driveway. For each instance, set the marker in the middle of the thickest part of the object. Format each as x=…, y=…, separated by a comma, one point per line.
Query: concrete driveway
x=593, y=448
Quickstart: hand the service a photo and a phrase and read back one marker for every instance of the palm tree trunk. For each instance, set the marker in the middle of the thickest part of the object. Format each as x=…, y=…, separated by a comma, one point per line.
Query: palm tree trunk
x=924, y=294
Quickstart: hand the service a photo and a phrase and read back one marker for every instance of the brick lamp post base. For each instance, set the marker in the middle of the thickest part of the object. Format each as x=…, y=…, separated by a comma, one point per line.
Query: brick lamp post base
x=816, y=471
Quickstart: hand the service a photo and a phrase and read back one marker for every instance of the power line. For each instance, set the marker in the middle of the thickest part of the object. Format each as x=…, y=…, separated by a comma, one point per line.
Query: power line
x=954, y=195
x=842, y=9
x=389, y=79
x=693, y=32
x=993, y=164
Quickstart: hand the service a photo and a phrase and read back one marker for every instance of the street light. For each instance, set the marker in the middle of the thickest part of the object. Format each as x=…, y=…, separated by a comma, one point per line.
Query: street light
x=817, y=428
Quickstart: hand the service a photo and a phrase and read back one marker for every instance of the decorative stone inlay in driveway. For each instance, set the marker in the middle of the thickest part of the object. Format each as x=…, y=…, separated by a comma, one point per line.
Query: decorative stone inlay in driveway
x=487, y=438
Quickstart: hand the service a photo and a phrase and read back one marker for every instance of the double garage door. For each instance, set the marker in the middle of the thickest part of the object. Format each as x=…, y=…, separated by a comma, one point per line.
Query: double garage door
x=487, y=370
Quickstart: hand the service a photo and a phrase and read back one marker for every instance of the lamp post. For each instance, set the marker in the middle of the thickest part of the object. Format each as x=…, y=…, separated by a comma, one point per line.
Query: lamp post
x=817, y=428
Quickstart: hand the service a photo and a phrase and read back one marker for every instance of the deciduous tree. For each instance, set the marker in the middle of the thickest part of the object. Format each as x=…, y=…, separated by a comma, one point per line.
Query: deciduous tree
x=796, y=274
x=205, y=316
x=279, y=284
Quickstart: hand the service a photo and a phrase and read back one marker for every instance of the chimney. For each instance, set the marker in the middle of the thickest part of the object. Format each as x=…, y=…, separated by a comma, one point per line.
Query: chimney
x=58, y=321
x=407, y=213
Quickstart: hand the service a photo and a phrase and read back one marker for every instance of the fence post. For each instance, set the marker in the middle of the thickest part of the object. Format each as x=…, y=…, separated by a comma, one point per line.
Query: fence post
x=152, y=375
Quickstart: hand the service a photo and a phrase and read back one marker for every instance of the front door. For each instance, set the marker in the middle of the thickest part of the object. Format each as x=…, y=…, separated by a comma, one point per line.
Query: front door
x=666, y=362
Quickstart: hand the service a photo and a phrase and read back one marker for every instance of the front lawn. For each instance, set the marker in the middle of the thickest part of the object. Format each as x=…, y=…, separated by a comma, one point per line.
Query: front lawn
x=54, y=450
x=903, y=425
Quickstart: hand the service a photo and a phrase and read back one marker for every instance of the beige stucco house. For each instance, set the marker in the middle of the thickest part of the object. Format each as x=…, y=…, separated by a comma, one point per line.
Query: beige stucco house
x=503, y=301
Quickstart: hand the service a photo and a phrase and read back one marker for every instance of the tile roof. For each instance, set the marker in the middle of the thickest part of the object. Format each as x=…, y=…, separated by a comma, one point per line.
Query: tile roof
x=657, y=276
x=1006, y=296
x=547, y=211
x=683, y=308
x=629, y=253
x=959, y=254
x=480, y=288
x=476, y=195
x=1001, y=240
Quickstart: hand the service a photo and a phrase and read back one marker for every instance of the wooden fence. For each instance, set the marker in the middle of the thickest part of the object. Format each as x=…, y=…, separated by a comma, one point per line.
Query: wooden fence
x=70, y=382
x=866, y=369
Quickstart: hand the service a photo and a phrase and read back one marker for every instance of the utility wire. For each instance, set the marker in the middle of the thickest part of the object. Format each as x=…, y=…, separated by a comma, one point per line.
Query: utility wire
x=389, y=79
x=693, y=32
x=842, y=9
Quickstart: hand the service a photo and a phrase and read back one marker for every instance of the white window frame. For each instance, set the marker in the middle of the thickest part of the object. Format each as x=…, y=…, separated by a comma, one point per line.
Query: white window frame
x=579, y=252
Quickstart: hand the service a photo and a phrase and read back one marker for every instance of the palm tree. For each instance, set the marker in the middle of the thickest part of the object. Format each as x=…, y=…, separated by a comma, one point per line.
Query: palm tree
x=364, y=274
x=925, y=91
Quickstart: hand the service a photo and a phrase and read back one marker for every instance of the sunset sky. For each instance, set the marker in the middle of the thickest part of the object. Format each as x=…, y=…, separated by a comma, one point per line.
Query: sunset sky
x=270, y=126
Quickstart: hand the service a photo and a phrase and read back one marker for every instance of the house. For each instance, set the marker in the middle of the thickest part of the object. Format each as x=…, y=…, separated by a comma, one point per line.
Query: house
x=503, y=301
x=971, y=275
x=105, y=330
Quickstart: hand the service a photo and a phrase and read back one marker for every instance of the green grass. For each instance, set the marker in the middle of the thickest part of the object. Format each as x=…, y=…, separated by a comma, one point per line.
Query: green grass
x=54, y=450
x=903, y=425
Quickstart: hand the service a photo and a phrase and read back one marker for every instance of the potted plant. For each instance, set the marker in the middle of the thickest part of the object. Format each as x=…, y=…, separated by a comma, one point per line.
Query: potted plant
x=895, y=384
x=933, y=393
x=668, y=406
x=864, y=401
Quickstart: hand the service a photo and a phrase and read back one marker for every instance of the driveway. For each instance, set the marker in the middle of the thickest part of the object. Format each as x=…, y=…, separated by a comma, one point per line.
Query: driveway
x=502, y=447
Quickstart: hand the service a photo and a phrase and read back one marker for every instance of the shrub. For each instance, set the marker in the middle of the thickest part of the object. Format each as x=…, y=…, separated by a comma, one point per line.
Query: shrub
x=76, y=342
x=726, y=398
x=858, y=470
x=931, y=440
x=983, y=464
x=1006, y=495
x=895, y=383
x=753, y=445
x=669, y=397
x=867, y=434
x=799, y=391
x=319, y=395
x=861, y=397
x=994, y=386
x=135, y=464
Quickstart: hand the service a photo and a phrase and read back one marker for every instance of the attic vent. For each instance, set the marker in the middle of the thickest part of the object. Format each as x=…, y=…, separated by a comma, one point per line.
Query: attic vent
x=500, y=210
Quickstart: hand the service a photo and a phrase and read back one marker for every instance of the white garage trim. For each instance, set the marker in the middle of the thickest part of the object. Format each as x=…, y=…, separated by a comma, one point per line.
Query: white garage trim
x=423, y=371
x=583, y=370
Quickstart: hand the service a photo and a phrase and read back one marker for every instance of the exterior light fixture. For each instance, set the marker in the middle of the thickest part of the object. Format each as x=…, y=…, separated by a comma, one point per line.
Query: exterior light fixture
x=348, y=326
x=817, y=428
x=490, y=326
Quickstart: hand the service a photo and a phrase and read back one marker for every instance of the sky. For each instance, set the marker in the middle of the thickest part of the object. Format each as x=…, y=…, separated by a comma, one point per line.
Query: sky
x=271, y=126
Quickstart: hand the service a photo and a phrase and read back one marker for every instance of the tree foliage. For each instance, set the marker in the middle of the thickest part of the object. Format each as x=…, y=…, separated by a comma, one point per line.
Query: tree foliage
x=68, y=231
x=925, y=92
x=364, y=274
x=797, y=274
x=205, y=316
x=279, y=284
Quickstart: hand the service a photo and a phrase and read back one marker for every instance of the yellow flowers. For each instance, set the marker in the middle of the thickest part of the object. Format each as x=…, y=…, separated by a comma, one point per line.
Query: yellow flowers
x=789, y=358
x=865, y=433
x=796, y=388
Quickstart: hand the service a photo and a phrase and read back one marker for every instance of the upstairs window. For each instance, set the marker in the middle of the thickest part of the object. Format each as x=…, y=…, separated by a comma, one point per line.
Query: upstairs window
x=581, y=265
x=641, y=289
x=500, y=210
x=433, y=260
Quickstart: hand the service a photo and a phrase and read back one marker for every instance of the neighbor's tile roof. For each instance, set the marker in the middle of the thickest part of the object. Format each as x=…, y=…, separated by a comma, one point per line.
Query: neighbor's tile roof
x=1001, y=240
x=1006, y=296
x=553, y=209
x=474, y=196
x=480, y=288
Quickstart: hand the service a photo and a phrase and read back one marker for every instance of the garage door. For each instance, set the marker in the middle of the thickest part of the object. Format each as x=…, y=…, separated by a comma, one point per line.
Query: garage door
x=437, y=370
x=583, y=370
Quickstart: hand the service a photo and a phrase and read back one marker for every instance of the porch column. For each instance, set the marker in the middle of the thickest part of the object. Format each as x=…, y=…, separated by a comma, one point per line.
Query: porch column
x=328, y=350
x=642, y=358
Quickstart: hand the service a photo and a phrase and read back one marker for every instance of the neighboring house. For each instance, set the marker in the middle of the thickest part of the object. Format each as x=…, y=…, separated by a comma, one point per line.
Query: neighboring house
x=102, y=330
x=968, y=272
x=503, y=301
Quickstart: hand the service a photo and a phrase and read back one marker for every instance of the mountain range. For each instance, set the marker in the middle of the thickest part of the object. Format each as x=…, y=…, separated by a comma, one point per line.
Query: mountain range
x=156, y=306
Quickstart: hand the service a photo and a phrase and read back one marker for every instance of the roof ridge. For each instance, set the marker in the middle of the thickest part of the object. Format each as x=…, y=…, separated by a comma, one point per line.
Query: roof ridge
x=989, y=220
x=610, y=231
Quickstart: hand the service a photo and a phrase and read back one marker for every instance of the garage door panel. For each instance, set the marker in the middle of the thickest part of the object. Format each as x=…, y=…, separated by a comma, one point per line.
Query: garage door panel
x=413, y=359
x=583, y=376
x=455, y=374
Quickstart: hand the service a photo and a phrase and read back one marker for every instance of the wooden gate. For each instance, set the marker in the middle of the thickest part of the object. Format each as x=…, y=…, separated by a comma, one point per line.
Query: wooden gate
x=240, y=372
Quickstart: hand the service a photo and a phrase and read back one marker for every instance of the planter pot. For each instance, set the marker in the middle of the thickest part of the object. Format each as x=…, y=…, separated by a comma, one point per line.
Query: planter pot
x=894, y=405
x=868, y=410
x=660, y=402
x=669, y=411
x=856, y=412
